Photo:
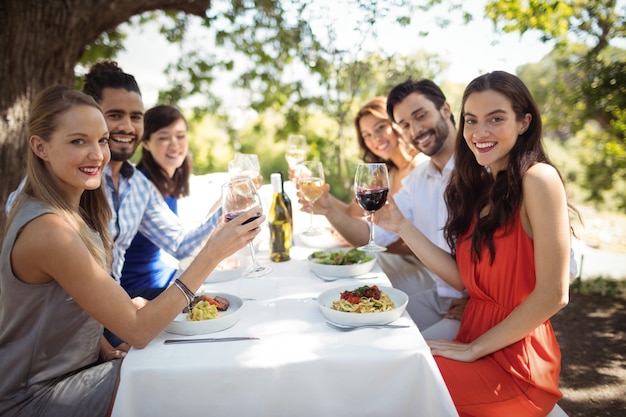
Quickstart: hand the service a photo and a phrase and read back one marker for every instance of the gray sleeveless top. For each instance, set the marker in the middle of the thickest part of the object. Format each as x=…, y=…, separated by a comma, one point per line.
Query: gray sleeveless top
x=44, y=335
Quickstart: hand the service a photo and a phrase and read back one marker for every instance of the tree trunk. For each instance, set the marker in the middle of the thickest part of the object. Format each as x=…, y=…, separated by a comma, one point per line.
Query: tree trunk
x=40, y=44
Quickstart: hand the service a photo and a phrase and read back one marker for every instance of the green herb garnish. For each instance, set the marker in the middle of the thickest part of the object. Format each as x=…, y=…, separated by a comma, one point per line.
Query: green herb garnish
x=341, y=257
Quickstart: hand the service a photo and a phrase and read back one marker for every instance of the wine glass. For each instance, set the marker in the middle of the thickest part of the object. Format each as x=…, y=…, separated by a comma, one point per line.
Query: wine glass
x=240, y=195
x=245, y=165
x=296, y=150
x=371, y=184
x=310, y=176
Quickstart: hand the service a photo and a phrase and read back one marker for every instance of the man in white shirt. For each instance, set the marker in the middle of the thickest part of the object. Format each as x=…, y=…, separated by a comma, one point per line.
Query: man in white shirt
x=421, y=110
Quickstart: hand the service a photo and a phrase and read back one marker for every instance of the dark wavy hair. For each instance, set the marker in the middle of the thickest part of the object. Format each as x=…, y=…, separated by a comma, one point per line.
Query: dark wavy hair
x=377, y=107
x=107, y=74
x=472, y=187
x=427, y=88
x=177, y=186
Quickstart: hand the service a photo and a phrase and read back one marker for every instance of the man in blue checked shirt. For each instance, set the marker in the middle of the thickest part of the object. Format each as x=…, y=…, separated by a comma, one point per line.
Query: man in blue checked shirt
x=136, y=203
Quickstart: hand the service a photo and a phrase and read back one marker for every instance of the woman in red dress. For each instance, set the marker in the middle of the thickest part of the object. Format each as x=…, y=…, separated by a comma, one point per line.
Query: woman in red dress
x=508, y=225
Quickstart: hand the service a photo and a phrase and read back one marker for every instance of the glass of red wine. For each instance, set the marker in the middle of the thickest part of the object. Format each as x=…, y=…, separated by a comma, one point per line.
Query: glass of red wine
x=371, y=184
x=240, y=195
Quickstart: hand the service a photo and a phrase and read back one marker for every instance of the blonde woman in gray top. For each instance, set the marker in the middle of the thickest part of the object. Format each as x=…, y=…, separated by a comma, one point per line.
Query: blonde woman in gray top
x=56, y=291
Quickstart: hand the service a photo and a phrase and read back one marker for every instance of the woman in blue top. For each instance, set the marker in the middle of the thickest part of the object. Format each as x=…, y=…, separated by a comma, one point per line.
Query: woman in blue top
x=165, y=161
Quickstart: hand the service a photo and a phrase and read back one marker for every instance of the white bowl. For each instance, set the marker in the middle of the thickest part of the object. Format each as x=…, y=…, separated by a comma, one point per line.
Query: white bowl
x=228, y=318
x=221, y=275
x=325, y=301
x=327, y=239
x=341, y=270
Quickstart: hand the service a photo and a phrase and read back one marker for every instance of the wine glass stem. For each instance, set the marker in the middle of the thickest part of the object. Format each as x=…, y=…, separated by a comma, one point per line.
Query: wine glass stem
x=371, y=227
x=311, y=220
x=255, y=264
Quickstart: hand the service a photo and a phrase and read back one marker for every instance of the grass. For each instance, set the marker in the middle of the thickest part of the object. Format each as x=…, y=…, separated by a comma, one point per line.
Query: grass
x=607, y=287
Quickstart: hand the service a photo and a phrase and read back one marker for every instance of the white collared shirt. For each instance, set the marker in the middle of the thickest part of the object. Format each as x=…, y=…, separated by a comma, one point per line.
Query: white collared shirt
x=421, y=201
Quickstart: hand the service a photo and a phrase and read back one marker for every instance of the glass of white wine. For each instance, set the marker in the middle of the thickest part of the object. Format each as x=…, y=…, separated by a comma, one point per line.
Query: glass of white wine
x=310, y=175
x=296, y=150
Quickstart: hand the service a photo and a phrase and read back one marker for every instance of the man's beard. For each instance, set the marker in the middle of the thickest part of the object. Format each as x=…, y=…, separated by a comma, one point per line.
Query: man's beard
x=441, y=132
x=121, y=156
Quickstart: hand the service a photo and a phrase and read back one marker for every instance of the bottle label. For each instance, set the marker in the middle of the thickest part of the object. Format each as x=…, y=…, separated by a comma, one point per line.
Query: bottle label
x=279, y=223
x=280, y=238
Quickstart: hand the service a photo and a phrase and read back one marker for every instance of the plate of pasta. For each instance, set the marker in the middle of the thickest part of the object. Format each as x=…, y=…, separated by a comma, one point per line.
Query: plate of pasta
x=360, y=305
x=209, y=313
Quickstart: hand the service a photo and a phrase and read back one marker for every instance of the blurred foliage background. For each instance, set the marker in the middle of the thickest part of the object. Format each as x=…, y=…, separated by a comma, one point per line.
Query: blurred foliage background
x=297, y=77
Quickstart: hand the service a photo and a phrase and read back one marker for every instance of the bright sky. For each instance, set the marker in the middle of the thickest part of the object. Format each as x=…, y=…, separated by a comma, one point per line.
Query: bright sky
x=470, y=50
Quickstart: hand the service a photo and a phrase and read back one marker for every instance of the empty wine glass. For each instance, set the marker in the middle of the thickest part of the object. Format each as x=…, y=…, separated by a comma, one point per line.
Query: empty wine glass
x=245, y=165
x=371, y=184
x=310, y=176
x=240, y=195
x=296, y=150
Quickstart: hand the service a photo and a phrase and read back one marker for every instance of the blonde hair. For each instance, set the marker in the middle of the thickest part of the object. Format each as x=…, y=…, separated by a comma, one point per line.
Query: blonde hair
x=92, y=219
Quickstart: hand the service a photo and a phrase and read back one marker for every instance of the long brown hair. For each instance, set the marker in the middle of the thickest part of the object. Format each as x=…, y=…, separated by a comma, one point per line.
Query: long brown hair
x=377, y=107
x=472, y=187
x=91, y=221
x=178, y=185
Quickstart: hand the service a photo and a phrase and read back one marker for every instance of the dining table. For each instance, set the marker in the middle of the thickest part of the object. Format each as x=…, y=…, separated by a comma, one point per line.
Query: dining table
x=296, y=365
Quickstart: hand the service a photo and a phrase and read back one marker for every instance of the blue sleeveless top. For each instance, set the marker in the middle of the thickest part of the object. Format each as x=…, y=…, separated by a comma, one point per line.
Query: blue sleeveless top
x=144, y=273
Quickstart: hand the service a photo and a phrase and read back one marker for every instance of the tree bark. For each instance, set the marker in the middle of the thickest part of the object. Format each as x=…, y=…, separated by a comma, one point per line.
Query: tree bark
x=40, y=44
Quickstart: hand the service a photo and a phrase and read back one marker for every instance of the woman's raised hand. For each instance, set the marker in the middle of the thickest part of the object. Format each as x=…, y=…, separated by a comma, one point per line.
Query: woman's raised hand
x=228, y=237
x=320, y=206
x=389, y=217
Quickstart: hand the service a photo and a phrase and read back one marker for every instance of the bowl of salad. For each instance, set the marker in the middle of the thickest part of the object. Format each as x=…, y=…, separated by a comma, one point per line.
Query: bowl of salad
x=341, y=262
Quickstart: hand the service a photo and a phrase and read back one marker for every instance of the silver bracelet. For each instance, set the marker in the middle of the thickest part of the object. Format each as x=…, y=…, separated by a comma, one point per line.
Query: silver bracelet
x=180, y=285
x=189, y=293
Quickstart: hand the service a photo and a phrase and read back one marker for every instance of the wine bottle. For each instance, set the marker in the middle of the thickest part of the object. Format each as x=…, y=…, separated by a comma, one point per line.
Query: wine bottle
x=286, y=198
x=279, y=223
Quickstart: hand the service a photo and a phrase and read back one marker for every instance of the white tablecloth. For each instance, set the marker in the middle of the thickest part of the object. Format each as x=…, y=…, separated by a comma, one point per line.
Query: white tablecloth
x=299, y=367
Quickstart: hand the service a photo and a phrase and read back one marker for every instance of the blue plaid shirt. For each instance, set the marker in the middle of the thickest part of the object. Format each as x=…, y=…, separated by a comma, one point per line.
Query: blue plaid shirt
x=138, y=206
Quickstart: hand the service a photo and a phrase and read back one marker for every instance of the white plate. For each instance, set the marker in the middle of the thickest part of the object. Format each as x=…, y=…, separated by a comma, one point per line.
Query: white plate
x=221, y=275
x=228, y=274
x=325, y=301
x=358, y=277
x=325, y=240
x=353, y=270
x=228, y=318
